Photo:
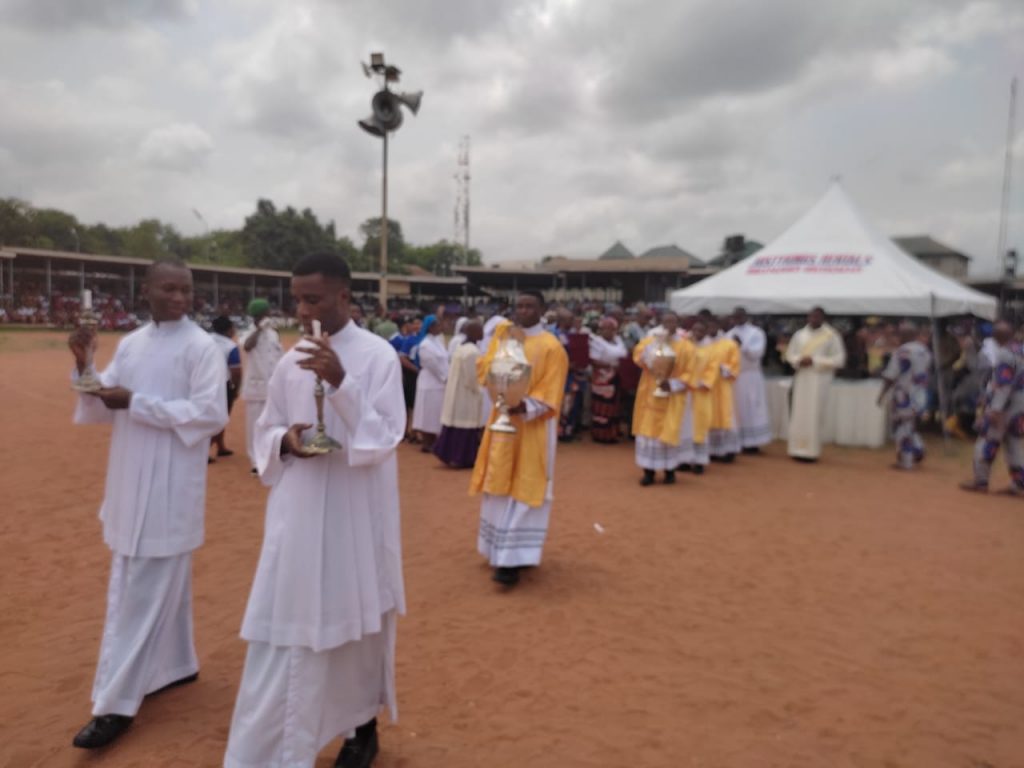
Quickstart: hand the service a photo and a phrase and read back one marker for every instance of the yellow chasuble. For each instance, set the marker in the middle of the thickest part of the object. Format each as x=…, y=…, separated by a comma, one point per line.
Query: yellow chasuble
x=516, y=464
x=659, y=417
x=703, y=370
x=726, y=353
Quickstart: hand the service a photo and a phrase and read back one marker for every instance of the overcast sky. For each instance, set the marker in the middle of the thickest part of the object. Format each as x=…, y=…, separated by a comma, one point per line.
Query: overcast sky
x=646, y=121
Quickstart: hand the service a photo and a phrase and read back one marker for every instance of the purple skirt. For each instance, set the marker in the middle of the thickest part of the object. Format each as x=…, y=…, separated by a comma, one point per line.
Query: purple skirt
x=457, y=447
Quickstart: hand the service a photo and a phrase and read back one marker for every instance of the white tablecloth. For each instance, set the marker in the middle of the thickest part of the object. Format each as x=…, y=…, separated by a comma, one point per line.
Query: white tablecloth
x=852, y=416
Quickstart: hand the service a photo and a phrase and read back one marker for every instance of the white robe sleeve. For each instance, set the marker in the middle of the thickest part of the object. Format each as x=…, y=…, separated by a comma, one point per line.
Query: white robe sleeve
x=434, y=360
x=794, y=352
x=197, y=417
x=534, y=409
x=832, y=357
x=373, y=411
x=90, y=409
x=270, y=429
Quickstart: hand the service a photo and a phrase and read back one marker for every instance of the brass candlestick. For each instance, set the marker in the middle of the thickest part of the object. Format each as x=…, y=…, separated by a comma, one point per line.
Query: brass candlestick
x=320, y=442
x=88, y=381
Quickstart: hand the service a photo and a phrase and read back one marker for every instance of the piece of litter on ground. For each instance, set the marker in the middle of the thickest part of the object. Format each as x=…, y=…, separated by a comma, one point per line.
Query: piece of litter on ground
x=598, y=527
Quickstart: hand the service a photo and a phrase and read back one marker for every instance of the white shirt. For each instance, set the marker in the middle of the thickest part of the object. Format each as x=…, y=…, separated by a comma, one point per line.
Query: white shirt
x=433, y=357
x=753, y=343
x=260, y=363
x=607, y=352
x=331, y=563
x=155, y=492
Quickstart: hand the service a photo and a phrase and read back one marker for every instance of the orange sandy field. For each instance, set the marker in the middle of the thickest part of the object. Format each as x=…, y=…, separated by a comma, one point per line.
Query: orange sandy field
x=766, y=614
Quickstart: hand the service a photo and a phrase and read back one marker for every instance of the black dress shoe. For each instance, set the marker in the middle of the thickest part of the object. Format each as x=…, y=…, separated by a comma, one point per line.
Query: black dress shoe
x=698, y=469
x=670, y=477
x=684, y=468
x=183, y=681
x=101, y=730
x=648, y=478
x=361, y=750
x=508, y=577
x=752, y=451
x=729, y=458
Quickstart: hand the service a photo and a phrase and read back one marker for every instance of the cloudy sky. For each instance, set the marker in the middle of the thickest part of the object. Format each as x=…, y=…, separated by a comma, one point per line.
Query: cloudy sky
x=648, y=121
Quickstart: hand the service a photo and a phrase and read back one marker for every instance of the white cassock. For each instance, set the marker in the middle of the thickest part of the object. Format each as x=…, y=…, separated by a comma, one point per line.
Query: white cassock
x=426, y=413
x=153, y=504
x=320, y=622
x=749, y=393
x=463, y=395
x=810, y=385
x=259, y=364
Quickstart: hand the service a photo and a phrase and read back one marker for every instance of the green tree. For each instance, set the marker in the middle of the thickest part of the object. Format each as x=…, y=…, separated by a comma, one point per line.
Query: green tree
x=15, y=221
x=371, y=230
x=275, y=239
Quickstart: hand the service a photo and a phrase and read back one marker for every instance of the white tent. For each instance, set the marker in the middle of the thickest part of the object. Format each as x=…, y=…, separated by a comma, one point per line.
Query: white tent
x=833, y=258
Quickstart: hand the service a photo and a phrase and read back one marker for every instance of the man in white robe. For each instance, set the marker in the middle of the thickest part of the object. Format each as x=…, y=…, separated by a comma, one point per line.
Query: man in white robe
x=320, y=621
x=751, y=405
x=263, y=350
x=164, y=394
x=815, y=352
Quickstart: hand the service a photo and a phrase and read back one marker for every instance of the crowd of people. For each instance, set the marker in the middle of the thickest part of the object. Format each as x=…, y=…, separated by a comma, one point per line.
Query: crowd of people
x=321, y=616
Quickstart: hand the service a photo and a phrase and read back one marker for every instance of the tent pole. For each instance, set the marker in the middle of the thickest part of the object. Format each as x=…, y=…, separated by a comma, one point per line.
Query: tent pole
x=947, y=448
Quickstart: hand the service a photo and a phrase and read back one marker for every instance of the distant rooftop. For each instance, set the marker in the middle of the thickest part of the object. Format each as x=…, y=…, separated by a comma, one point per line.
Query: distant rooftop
x=924, y=245
x=616, y=252
x=672, y=251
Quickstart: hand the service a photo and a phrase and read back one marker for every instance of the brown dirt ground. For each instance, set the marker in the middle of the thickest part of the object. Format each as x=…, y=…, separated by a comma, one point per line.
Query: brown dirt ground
x=767, y=614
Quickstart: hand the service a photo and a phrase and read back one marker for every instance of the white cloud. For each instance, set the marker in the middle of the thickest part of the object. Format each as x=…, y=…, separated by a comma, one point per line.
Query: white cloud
x=176, y=147
x=650, y=120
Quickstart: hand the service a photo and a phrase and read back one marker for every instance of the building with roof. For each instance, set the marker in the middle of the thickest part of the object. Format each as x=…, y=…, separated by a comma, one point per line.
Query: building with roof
x=617, y=252
x=936, y=255
x=672, y=251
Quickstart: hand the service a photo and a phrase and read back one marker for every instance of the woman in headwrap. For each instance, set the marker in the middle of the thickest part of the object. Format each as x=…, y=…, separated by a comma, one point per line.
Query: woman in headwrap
x=606, y=351
x=431, y=355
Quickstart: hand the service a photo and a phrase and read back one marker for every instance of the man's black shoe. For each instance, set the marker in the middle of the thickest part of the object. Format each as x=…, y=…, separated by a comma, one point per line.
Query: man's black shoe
x=684, y=468
x=729, y=458
x=361, y=750
x=509, y=577
x=698, y=469
x=670, y=477
x=648, y=478
x=183, y=681
x=101, y=730
x=754, y=451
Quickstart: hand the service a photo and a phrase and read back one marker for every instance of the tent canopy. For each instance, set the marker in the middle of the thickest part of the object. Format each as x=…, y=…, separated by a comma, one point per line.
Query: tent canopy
x=833, y=258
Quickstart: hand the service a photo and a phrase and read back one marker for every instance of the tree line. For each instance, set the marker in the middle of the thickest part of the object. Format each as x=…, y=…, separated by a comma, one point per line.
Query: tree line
x=270, y=238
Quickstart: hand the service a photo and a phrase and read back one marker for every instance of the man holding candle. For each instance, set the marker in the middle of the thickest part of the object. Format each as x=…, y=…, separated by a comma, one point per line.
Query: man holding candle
x=164, y=394
x=320, y=622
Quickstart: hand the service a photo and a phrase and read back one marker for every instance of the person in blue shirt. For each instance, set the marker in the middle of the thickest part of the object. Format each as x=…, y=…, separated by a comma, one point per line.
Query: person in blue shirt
x=224, y=335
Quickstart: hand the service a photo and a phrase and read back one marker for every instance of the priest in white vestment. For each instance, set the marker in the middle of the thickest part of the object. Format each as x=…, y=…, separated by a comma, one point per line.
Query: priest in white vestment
x=751, y=404
x=263, y=349
x=320, y=621
x=815, y=352
x=432, y=357
x=164, y=394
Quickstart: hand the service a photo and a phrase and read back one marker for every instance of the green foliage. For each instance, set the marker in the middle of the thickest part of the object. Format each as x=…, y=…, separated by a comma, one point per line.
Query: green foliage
x=269, y=239
x=275, y=239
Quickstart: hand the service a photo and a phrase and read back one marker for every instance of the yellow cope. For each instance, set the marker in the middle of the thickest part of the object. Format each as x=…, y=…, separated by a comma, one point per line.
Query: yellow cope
x=515, y=464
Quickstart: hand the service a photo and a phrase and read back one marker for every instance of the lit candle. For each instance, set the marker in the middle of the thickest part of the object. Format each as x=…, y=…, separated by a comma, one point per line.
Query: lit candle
x=316, y=329
x=86, y=299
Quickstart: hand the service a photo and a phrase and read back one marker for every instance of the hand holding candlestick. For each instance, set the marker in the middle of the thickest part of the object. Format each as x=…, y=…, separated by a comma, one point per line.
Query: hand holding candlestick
x=320, y=442
x=83, y=346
